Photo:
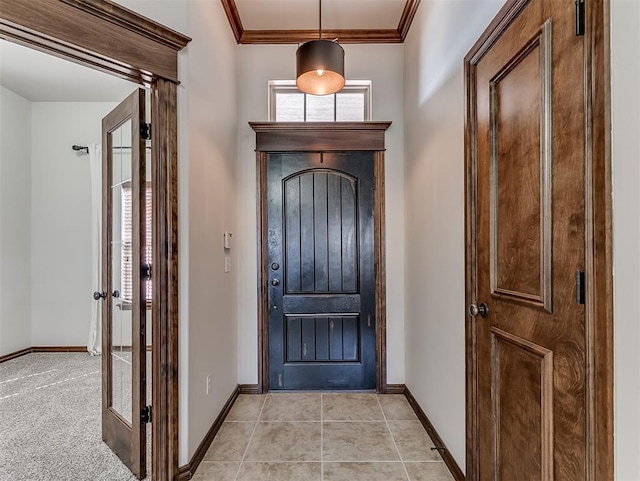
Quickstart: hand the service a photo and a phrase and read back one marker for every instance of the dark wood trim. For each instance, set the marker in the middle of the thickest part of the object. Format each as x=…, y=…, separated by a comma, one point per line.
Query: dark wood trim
x=165, y=259
x=59, y=349
x=263, y=294
x=598, y=247
x=97, y=33
x=189, y=470
x=130, y=20
x=380, y=270
x=319, y=136
x=455, y=470
x=396, y=389
x=249, y=389
x=32, y=349
x=257, y=37
x=253, y=37
x=598, y=239
x=268, y=127
x=408, y=14
x=323, y=137
x=13, y=355
x=104, y=36
x=231, y=9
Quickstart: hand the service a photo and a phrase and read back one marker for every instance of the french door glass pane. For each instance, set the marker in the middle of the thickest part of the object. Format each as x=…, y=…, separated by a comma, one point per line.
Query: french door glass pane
x=121, y=268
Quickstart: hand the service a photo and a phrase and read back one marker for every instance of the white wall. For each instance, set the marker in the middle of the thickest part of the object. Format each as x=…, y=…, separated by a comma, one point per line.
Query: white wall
x=383, y=64
x=15, y=228
x=625, y=76
x=441, y=35
x=61, y=284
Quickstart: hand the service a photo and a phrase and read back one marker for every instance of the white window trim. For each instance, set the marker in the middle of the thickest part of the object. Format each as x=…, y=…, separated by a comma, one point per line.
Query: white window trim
x=354, y=85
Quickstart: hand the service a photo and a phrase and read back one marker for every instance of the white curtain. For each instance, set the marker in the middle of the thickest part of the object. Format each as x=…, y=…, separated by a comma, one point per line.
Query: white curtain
x=94, y=346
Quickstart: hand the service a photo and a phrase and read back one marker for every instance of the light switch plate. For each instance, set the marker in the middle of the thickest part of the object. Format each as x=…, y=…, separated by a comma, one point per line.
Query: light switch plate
x=227, y=240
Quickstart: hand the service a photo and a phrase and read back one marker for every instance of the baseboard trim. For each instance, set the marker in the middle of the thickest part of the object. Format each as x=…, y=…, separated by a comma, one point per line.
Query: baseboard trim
x=396, y=388
x=456, y=472
x=59, y=349
x=29, y=350
x=186, y=472
x=13, y=355
x=249, y=389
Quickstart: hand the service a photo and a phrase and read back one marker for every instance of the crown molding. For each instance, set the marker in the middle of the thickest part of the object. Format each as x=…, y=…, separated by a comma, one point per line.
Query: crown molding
x=253, y=37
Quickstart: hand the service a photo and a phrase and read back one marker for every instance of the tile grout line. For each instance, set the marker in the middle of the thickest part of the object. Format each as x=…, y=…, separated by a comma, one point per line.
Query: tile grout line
x=392, y=438
x=321, y=440
x=244, y=455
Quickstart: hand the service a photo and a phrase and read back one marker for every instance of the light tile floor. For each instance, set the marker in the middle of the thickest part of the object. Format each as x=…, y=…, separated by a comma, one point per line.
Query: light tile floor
x=322, y=437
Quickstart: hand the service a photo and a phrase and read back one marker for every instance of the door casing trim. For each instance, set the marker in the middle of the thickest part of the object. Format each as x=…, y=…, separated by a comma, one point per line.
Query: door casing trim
x=598, y=238
x=130, y=46
x=322, y=137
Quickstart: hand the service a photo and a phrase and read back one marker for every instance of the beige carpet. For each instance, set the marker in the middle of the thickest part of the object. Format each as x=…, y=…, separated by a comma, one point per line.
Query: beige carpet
x=50, y=420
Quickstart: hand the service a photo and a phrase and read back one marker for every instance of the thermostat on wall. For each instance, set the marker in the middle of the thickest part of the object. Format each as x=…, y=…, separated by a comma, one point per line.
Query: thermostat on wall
x=227, y=240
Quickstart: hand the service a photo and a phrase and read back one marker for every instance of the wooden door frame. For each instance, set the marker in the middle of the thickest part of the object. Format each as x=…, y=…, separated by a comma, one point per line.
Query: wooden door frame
x=598, y=238
x=106, y=36
x=322, y=137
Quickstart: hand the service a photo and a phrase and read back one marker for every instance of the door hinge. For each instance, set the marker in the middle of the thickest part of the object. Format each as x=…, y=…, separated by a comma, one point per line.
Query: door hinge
x=145, y=272
x=145, y=131
x=580, y=18
x=146, y=415
x=580, y=287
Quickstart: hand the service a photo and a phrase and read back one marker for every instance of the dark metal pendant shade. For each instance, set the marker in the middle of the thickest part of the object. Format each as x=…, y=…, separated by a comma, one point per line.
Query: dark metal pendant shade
x=320, y=67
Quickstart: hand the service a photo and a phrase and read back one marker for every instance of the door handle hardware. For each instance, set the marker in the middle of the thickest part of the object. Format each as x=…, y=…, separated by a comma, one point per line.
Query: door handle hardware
x=482, y=310
x=115, y=294
x=275, y=282
x=275, y=266
x=97, y=295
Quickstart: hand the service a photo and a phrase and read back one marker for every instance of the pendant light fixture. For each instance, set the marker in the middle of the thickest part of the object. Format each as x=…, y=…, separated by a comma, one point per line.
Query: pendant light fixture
x=320, y=64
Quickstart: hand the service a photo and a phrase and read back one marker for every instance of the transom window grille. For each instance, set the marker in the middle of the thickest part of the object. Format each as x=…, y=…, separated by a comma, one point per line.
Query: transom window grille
x=288, y=104
x=126, y=260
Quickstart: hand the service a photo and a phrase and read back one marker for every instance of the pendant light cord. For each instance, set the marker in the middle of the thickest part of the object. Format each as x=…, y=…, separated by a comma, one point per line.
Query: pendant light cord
x=320, y=19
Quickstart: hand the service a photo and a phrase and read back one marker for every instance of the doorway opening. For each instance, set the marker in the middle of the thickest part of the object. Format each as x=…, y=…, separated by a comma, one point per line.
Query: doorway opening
x=300, y=315
x=108, y=37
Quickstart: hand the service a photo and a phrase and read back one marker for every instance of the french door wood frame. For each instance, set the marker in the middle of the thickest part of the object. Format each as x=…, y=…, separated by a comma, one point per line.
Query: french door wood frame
x=598, y=237
x=322, y=137
x=105, y=36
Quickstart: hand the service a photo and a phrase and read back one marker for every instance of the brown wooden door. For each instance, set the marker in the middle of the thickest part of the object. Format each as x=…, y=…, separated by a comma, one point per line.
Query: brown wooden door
x=527, y=363
x=321, y=271
x=124, y=302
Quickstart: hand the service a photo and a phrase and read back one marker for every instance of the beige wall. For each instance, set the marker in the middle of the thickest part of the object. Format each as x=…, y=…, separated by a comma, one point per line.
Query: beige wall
x=256, y=66
x=625, y=78
x=441, y=35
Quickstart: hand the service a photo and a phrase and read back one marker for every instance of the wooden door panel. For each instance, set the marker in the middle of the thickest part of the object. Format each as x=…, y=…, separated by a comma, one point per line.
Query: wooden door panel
x=321, y=240
x=521, y=174
x=526, y=199
x=320, y=233
x=124, y=308
x=522, y=392
x=325, y=339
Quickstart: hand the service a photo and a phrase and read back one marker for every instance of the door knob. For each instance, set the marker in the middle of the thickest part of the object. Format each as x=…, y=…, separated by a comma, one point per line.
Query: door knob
x=115, y=294
x=482, y=309
x=275, y=282
x=99, y=295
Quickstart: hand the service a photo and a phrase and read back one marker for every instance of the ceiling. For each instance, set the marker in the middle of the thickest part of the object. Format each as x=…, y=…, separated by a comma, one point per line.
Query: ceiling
x=41, y=77
x=293, y=21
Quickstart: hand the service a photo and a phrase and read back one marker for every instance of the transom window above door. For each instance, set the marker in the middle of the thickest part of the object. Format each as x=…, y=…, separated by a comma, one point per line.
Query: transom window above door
x=288, y=104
